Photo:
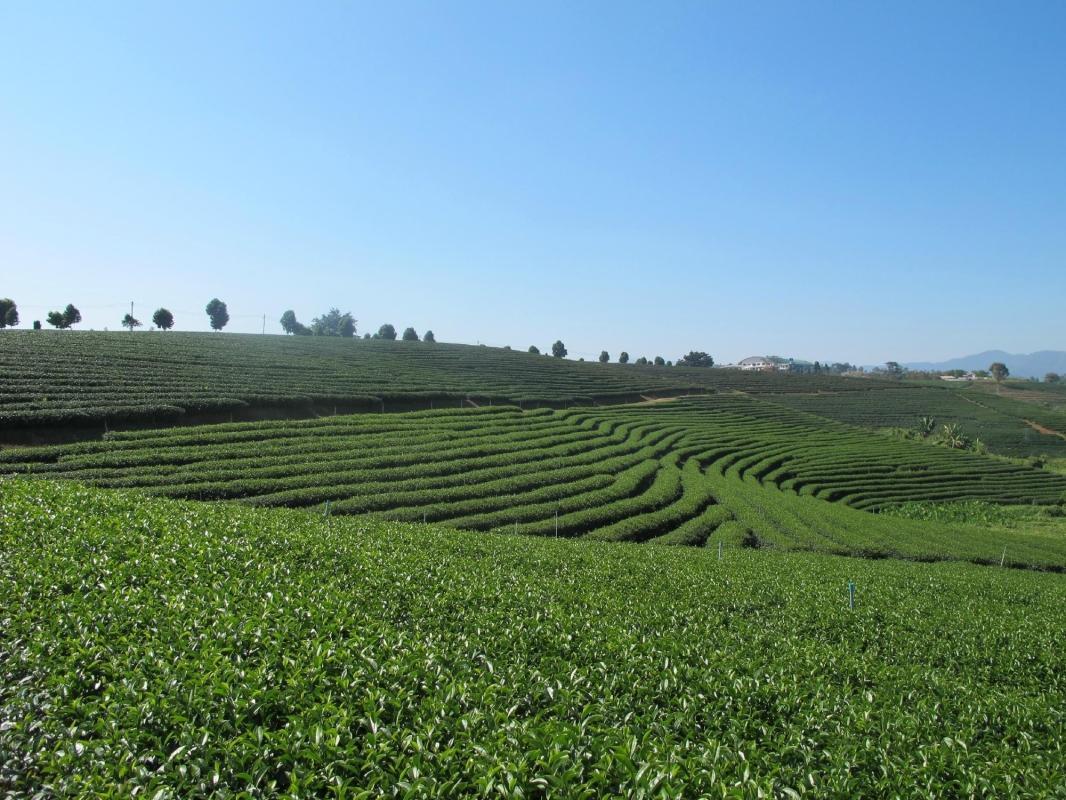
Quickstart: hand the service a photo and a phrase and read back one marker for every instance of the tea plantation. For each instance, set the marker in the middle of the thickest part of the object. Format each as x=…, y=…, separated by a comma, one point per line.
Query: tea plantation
x=721, y=467
x=158, y=648
x=62, y=379
x=1004, y=424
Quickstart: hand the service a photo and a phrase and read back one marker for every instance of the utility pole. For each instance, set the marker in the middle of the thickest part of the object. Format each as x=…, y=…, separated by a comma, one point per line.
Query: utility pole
x=264, y=324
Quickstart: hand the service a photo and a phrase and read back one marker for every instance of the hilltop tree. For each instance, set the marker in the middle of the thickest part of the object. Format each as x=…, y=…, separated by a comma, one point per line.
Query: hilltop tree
x=623, y=357
x=534, y=350
x=163, y=319
x=289, y=322
x=386, y=331
x=429, y=337
x=604, y=356
x=217, y=313
x=64, y=319
x=695, y=358
x=333, y=323
x=659, y=361
x=999, y=371
x=641, y=362
x=9, y=313
x=410, y=335
x=131, y=322
x=1052, y=377
x=893, y=370
x=36, y=324
x=559, y=349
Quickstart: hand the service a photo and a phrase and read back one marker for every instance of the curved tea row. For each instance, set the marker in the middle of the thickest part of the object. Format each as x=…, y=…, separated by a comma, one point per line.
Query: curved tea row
x=725, y=466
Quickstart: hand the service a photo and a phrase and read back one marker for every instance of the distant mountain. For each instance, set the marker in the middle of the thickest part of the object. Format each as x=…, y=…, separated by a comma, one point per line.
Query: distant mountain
x=1021, y=365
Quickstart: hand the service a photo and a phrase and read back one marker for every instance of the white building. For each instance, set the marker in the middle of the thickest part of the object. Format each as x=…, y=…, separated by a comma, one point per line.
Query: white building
x=756, y=363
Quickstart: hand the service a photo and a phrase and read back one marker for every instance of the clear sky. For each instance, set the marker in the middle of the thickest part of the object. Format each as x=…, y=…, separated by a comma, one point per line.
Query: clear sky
x=842, y=181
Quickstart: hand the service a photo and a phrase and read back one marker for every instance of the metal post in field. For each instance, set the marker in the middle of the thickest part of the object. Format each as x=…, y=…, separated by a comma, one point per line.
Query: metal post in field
x=719, y=549
x=851, y=594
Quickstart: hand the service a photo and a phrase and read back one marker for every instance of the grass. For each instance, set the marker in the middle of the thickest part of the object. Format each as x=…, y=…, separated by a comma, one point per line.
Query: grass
x=161, y=649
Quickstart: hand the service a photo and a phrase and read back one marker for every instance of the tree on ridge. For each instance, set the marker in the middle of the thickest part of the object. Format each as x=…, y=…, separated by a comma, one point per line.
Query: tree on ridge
x=9, y=313
x=163, y=319
x=217, y=313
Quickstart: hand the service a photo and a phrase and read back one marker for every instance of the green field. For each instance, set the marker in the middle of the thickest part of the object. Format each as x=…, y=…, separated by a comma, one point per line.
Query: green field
x=1002, y=423
x=721, y=467
x=58, y=379
x=157, y=648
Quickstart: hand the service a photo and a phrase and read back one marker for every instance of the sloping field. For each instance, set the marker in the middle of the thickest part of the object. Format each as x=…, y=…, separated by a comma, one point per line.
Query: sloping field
x=53, y=379
x=724, y=466
x=999, y=422
x=160, y=649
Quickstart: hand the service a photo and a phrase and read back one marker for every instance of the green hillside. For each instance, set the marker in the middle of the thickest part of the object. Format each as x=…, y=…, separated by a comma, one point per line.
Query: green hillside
x=59, y=379
x=719, y=467
x=155, y=649
x=1006, y=425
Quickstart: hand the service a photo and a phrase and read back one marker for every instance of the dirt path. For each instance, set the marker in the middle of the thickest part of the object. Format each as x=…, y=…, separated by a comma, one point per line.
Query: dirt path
x=1036, y=426
x=647, y=401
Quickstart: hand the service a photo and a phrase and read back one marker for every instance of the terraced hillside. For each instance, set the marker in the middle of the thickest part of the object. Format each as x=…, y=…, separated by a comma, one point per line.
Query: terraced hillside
x=720, y=467
x=1006, y=425
x=59, y=379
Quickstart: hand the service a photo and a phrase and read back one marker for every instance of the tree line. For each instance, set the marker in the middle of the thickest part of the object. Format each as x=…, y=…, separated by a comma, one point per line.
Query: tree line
x=997, y=370
x=332, y=323
x=694, y=358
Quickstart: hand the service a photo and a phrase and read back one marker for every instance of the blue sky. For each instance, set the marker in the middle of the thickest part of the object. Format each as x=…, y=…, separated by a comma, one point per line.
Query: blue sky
x=845, y=181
